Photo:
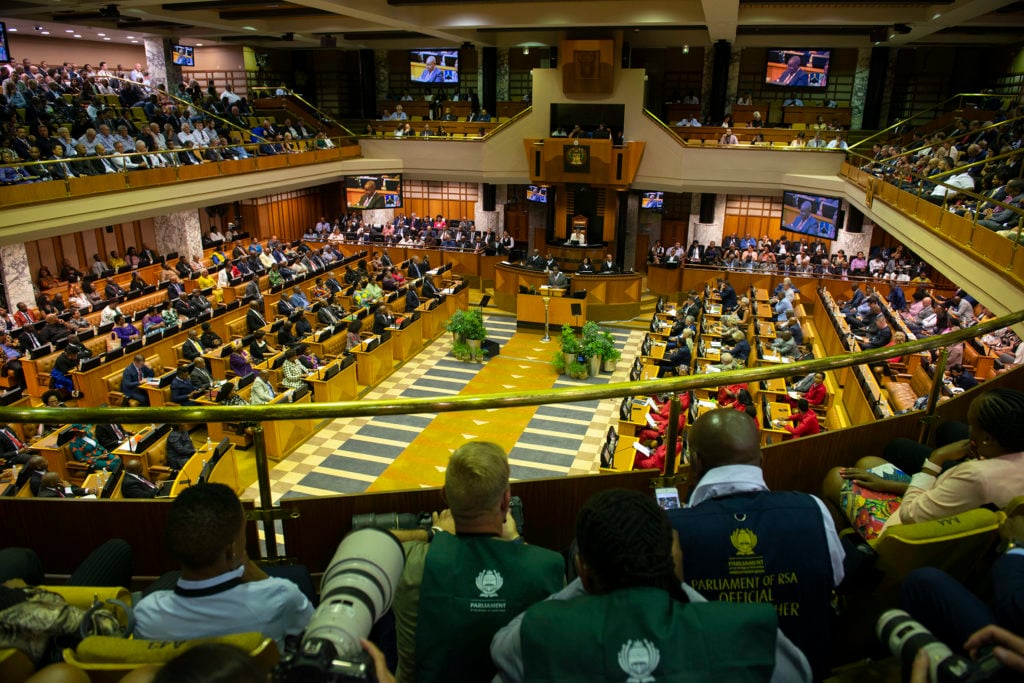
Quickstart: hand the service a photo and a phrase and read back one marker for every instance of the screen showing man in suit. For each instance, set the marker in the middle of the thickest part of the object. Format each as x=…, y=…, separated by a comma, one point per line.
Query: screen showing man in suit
x=798, y=68
x=434, y=66
x=810, y=214
x=373, y=192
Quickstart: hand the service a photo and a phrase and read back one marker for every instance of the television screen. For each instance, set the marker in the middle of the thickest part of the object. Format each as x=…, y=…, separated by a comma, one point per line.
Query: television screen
x=5, y=52
x=537, y=194
x=652, y=200
x=434, y=65
x=373, y=191
x=182, y=55
x=810, y=214
x=797, y=68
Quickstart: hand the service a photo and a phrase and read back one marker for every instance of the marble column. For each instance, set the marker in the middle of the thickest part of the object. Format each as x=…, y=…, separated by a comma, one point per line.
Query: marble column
x=378, y=216
x=706, y=77
x=860, y=87
x=17, y=275
x=733, y=84
x=180, y=232
x=852, y=242
x=503, y=70
x=380, y=65
x=495, y=220
x=890, y=71
x=632, y=228
x=162, y=71
x=706, y=233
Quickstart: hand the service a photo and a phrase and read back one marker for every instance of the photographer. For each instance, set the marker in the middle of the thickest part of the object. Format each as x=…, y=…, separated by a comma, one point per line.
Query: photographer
x=471, y=573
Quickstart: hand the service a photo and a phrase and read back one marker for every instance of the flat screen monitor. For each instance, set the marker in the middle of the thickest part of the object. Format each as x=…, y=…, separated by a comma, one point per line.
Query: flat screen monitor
x=652, y=200
x=810, y=214
x=535, y=193
x=797, y=68
x=183, y=55
x=374, y=191
x=434, y=65
x=5, y=52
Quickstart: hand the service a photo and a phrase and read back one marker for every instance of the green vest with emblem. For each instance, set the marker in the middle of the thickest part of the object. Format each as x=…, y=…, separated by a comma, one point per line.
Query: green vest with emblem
x=473, y=586
x=641, y=635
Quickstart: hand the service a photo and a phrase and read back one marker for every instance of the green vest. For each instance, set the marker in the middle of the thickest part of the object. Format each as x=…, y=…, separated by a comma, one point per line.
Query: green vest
x=641, y=635
x=472, y=586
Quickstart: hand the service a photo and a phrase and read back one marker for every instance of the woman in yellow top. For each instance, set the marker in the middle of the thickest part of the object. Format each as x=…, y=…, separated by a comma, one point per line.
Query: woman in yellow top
x=819, y=125
x=206, y=282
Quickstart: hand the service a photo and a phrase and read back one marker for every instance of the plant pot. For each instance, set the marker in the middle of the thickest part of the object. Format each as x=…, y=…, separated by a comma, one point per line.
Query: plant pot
x=570, y=358
x=594, y=365
x=608, y=365
x=457, y=339
x=474, y=348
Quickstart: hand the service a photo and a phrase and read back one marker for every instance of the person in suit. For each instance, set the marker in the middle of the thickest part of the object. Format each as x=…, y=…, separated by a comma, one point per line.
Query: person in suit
x=254, y=319
x=179, y=447
x=192, y=347
x=113, y=290
x=132, y=379
x=609, y=265
x=252, y=290
x=415, y=269
x=262, y=392
x=536, y=261
x=51, y=486
x=326, y=315
x=429, y=289
x=285, y=307
x=412, y=300
x=381, y=319
x=556, y=278
x=298, y=299
x=209, y=339
x=370, y=199
x=182, y=391
x=111, y=435
x=793, y=75
x=550, y=262
x=695, y=253
x=805, y=221
x=961, y=377
x=31, y=474
x=134, y=485
x=200, y=376
x=12, y=448
x=259, y=349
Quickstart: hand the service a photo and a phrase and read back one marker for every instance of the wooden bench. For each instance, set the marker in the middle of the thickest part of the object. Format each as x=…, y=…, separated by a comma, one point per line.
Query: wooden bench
x=905, y=389
x=113, y=381
x=982, y=366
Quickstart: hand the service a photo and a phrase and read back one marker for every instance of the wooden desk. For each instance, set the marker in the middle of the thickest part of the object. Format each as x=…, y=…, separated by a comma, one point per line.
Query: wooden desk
x=226, y=471
x=771, y=433
x=189, y=474
x=158, y=396
x=408, y=341
x=809, y=115
x=611, y=296
x=342, y=387
x=432, y=323
x=530, y=309
x=373, y=367
x=284, y=436
x=56, y=456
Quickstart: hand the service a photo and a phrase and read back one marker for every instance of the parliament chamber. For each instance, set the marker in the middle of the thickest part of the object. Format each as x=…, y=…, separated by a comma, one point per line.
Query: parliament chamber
x=380, y=399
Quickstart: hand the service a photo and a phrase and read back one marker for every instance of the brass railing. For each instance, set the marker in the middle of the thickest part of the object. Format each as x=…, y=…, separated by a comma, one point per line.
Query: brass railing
x=940, y=108
x=349, y=409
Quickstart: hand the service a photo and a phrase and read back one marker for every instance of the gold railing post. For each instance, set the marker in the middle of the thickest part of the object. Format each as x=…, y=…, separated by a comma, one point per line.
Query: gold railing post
x=266, y=497
x=672, y=434
x=933, y=396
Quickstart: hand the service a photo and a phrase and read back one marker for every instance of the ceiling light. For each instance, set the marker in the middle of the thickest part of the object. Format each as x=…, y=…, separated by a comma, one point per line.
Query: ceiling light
x=131, y=37
x=136, y=42
x=45, y=33
x=101, y=34
x=12, y=30
x=38, y=27
x=78, y=35
x=69, y=30
x=106, y=39
x=249, y=28
x=936, y=16
x=526, y=50
x=199, y=44
x=686, y=49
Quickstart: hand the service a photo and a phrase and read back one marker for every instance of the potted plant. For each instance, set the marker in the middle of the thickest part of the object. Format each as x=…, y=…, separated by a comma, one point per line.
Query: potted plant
x=577, y=370
x=558, y=361
x=571, y=345
x=593, y=344
x=467, y=328
x=609, y=354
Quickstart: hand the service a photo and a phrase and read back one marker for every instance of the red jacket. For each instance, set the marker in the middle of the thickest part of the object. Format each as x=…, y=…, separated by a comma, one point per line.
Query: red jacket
x=724, y=399
x=817, y=394
x=806, y=424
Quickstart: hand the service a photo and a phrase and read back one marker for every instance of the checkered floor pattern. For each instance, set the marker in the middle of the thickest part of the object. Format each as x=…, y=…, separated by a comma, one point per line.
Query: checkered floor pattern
x=348, y=455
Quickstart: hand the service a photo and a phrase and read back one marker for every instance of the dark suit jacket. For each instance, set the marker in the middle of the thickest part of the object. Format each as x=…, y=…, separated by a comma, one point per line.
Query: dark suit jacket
x=107, y=437
x=254, y=321
x=132, y=487
x=191, y=349
x=76, y=492
x=380, y=322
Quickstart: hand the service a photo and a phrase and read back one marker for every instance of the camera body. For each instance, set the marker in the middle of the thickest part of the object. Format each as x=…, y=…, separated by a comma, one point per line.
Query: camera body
x=906, y=637
x=392, y=520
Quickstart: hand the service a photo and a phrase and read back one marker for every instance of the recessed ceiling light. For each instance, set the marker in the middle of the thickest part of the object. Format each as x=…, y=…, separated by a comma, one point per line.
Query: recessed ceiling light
x=106, y=39
x=249, y=28
x=136, y=42
x=891, y=36
x=69, y=30
x=131, y=37
x=199, y=44
x=78, y=35
x=12, y=30
x=45, y=33
x=936, y=16
x=101, y=34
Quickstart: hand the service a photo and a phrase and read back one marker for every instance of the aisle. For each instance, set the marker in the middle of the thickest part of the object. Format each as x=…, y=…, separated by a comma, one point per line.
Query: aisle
x=409, y=451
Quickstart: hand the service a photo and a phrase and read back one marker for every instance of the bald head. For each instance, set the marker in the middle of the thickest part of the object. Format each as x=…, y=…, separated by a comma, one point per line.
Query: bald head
x=133, y=466
x=723, y=437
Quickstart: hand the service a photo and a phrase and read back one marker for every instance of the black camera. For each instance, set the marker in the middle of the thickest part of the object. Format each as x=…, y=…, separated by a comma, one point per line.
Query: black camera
x=906, y=637
x=392, y=520
x=356, y=591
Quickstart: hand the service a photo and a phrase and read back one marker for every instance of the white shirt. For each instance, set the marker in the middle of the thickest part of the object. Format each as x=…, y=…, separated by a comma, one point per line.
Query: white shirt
x=731, y=479
x=275, y=607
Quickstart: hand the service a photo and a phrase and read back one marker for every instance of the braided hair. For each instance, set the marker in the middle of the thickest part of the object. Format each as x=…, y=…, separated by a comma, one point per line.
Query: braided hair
x=626, y=540
x=1000, y=412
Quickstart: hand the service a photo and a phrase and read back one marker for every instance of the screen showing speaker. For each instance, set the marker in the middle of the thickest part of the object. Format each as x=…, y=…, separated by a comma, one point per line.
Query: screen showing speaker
x=434, y=65
x=183, y=55
x=536, y=193
x=652, y=200
x=797, y=68
x=373, y=191
x=5, y=52
x=810, y=214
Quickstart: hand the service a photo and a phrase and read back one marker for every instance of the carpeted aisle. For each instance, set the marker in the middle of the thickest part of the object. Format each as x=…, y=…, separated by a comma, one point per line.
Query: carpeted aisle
x=410, y=451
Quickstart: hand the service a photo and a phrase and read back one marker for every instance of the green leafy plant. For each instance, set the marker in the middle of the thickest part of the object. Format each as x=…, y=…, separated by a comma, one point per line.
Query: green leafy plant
x=558, y=362
x=467, y=325
x=570, y=343
x=460, y=350
x=577, y=370
x=608, y=351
